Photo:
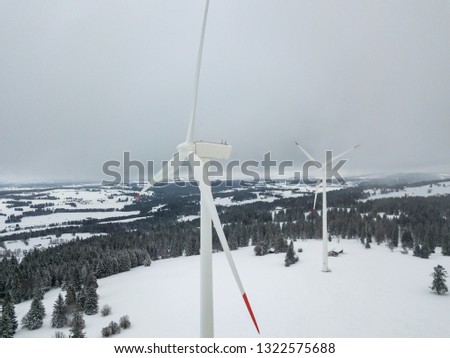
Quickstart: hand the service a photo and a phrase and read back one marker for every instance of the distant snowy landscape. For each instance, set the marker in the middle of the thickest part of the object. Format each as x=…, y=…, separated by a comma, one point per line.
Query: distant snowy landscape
x=422, y=190
x=371, y=292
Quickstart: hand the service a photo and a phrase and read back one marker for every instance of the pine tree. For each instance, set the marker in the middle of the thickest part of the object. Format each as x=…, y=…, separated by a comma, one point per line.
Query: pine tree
x=417, y=250
x=16, y=284
x=71, y=298
x=8, y=320
x=425, y=251
x=258, y=250
x=34, y=318
x=147, y=260
x=280, y=244
x=78, y=325
x=91, y=280
x=446, y=244
x=91, y=303
x=59, y=315
x=439, y=286
x=81, y=298
x=291, y=257
x=407, y=240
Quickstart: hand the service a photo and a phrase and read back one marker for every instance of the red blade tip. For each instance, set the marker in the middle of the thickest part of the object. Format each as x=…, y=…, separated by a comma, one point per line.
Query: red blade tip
x=137, y=197
x=249, y=308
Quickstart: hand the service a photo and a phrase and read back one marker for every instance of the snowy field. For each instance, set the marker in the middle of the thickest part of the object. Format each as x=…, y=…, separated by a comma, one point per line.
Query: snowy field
x=269, y=196
x=369, y=293
x=425, y=190
x=19, y=247
x=70, y=198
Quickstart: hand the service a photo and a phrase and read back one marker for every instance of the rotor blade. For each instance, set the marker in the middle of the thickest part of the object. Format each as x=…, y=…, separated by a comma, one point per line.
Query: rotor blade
x=206, y=192
x=190, y=132
x=344, y=153
x=165, y=172
x=315, y=196
x=306, y=153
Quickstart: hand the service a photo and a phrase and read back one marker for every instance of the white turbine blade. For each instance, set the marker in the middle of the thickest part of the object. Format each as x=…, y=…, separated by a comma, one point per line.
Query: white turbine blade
x=190, y=132
x=206, y=193
x=344, y=153
x=315, y=197
x=167, y=168
x=306, y=153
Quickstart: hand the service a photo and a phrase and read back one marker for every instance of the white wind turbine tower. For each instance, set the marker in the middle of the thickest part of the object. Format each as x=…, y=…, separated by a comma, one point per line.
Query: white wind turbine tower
x=323, y=183
x=202, y=152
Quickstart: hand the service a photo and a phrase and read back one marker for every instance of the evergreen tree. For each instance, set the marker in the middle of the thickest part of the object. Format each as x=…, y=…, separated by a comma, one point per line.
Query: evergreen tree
x=439, y=286
x=8, y=320
x=34, y=317
x=76, y=280
x=59, y=315
x=417, y=250
x=81, y=299
x=91, y=303
x=124, y=262
x=407, y=240
x=258, y=250
x=17, y=291
x=147, y=260
x=291, y=257
x=280, y=244
x=91, y=280
x=425, y=251
x=446, y=244
x=78, y=325
x=71, y=298
x=101, y=269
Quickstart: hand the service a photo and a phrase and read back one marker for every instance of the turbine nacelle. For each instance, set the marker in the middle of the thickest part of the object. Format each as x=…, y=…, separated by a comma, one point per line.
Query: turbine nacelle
x=212, y=150
x=205, y=150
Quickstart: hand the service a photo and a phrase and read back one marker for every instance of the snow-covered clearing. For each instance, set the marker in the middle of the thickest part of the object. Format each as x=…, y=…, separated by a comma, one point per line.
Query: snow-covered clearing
x=425, y=190
x=188, y=218
x=77, y=198
x=17, y=247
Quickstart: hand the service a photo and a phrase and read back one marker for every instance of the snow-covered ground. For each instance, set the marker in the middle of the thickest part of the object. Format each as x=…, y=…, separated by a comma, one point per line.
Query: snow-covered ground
x=71, y=198
x=17, y=247
x=188, y=218
x=425, y=190
x=369, y=293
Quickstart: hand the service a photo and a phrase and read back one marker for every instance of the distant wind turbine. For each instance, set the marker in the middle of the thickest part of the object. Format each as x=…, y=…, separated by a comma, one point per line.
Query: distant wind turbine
x=202, y=152
x=323, y=182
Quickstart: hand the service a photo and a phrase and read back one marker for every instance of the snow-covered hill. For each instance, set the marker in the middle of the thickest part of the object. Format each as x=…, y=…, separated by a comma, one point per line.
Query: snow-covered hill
x=369, y=293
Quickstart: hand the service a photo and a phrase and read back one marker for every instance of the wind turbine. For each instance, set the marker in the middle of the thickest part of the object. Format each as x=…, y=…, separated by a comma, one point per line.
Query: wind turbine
x=202, y=152
x=323, y=182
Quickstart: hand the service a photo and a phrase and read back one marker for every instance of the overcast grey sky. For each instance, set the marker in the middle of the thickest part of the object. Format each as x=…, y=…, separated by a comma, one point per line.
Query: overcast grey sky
x=81, y=81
